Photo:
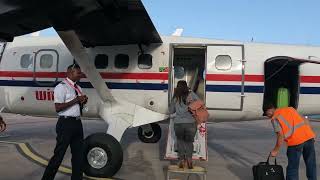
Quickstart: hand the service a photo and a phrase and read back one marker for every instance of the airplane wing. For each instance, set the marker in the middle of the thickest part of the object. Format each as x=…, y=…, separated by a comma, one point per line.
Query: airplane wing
x=96, y=22
x=83, y=23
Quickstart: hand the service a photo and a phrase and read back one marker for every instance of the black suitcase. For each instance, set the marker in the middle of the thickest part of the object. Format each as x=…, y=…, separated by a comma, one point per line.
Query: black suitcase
x=266, y=171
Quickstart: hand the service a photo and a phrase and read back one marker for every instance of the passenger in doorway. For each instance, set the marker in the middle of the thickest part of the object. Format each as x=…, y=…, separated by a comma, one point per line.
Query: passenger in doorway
x=3, y=125
x=297, y=133
x=184, y=124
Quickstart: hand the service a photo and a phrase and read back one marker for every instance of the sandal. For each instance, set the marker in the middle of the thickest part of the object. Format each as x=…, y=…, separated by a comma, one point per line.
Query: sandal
x=189, y=164
x=181, y=164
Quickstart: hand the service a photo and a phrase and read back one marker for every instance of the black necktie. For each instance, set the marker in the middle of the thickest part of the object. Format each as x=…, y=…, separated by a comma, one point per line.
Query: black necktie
x=81, y=105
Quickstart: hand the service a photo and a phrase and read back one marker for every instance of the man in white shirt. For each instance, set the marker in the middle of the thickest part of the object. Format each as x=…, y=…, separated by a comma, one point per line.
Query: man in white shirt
x=69, y=100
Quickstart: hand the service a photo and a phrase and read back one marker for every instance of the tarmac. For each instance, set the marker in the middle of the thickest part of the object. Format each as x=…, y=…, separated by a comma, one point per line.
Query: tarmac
x=233, y=149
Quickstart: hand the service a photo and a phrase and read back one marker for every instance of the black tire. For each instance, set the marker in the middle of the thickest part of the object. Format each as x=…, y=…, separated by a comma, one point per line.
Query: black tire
x=113, y=150
x=154, y=137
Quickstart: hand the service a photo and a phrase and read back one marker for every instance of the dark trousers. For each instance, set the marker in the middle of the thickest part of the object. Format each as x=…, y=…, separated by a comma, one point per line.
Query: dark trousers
x=185, y=133
x=309, y=157
x=69, y=132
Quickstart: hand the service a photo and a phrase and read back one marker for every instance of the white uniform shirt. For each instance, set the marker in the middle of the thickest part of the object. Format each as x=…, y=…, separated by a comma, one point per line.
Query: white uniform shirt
x=63, y=93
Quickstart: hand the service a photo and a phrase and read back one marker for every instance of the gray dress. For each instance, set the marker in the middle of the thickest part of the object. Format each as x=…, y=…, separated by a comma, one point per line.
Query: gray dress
x=185, y=127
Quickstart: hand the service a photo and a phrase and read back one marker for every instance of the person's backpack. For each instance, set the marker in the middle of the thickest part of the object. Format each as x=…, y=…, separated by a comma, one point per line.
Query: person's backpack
x=198, y=110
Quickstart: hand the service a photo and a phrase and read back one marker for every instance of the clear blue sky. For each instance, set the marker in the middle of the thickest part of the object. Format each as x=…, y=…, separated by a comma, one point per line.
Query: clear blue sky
x=274, y=21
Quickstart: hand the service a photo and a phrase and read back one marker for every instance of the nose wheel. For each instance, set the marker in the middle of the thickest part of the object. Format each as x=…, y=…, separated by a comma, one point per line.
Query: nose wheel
x=150, y=135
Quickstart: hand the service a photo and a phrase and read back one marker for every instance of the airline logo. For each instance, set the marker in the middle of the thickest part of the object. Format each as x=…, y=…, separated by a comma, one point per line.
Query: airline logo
x=44, y=95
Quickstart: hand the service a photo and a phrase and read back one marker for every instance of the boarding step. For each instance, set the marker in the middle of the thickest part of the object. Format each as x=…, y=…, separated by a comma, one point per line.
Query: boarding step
x=196, y=170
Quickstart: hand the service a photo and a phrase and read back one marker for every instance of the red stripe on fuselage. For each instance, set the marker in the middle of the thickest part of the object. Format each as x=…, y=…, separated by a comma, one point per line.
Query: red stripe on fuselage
x=151, y=76
x=27, y=74
x=142, y=76
x=255, y=78
x=310, y=79
x=233, y=77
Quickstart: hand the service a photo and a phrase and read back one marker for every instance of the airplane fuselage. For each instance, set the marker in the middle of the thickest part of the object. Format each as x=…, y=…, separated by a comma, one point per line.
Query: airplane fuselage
x=233, y=75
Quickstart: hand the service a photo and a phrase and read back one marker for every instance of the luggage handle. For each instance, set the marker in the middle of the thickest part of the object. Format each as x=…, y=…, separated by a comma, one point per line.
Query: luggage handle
x=275, y=159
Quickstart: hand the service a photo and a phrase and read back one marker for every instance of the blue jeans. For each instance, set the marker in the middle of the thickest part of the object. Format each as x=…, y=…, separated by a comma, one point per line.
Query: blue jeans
x=309, y=157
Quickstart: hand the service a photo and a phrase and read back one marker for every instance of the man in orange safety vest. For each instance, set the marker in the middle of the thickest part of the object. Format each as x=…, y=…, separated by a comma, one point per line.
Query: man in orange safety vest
x=297, y=133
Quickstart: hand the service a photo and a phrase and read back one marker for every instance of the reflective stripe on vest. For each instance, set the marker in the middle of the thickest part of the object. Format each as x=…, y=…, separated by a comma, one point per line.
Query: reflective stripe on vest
x=291, y=129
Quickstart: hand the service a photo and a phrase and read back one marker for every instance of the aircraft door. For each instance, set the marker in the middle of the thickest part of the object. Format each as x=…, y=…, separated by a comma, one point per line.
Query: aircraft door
x=225, y=77
x=188, y=64
x=46, y=67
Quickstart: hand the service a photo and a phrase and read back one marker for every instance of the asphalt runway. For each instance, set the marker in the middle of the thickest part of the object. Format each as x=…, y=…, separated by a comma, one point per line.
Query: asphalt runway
x=233, y=149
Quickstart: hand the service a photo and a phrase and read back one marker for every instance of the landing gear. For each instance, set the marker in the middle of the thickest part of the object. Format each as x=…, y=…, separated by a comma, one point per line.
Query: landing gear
x=150, y=135
x=103, y=155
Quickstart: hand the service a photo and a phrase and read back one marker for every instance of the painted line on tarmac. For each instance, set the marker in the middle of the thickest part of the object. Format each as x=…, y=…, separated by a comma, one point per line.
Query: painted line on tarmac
x=27, y=151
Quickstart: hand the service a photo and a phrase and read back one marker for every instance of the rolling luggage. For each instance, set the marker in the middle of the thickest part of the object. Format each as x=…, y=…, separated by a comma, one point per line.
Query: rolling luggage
x=283, y=97
x=266, y=171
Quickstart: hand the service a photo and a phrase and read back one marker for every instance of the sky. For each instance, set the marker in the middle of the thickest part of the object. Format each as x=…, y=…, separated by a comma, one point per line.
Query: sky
x=267, y=21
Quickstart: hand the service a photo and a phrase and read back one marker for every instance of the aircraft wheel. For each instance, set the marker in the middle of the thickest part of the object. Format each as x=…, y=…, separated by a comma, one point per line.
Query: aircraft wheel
x=103, y=155
x=151, y=136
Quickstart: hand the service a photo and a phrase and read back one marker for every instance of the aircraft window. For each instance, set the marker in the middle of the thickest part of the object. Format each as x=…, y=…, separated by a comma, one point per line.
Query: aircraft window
x=26, y=61
x=179, y=72
x=122, y=61
x=46, y=61
x=101, y=61
x=223, y=62
x=145, y=61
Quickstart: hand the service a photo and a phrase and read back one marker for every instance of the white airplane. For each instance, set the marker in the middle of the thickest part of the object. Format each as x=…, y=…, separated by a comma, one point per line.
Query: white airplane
x=131, y=71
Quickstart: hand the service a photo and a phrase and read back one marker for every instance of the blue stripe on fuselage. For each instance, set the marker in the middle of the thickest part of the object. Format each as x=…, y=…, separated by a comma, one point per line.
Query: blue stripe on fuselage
x=135, y=86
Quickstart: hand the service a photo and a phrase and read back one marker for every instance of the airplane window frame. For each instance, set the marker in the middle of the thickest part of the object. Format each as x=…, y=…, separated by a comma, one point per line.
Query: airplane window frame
x=29, y=59
x=219, y=67
x=119, y=61
x=41, y=63
x=144, y=64
x=101, y=61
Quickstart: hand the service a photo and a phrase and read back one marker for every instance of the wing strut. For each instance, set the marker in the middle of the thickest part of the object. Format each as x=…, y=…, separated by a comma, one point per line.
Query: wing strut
x=119, y=114
x=80, y=54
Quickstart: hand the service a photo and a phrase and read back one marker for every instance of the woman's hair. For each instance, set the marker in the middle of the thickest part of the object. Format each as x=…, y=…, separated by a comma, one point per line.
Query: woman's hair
x=181, y=92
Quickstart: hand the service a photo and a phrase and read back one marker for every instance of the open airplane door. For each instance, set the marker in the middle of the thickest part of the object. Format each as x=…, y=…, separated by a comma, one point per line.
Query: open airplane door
x=225, y=75
x=185, y=70
x=282, y=81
